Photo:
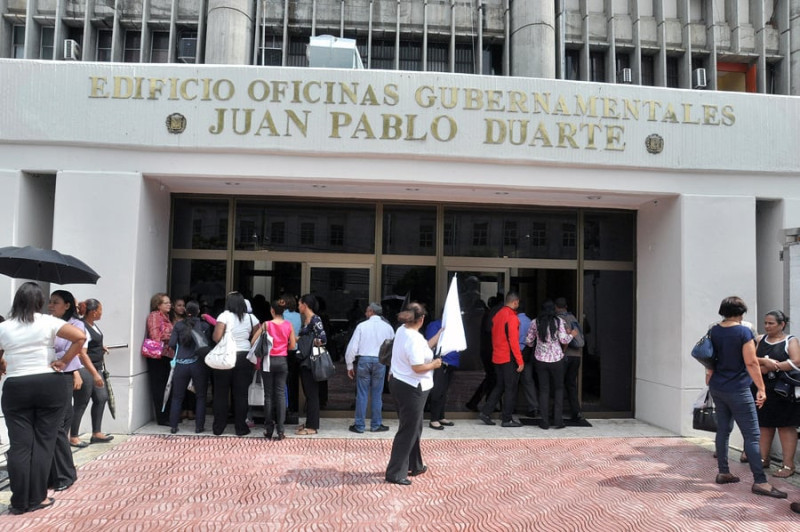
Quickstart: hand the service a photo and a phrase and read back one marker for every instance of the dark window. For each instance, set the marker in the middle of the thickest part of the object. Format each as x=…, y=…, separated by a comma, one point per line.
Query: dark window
x=539, y=234
x=572, y=65
x=277, y=233
x=569, y=235
x=270, y=52
x=510, y=236
x=609, y=235
x=46, y=48
x=597, y=64
x=223, y=229
x=187, y=47
x=673, y=76
x=426, y=236
x=19, y=42
x=410, y=55
x=104, y=40
x=648, y=70
x=335, y=280
x=448, y=233
x=297, y=51
x=480, y=234
x=438, y=57
x=159, y=50
x=133, y=46
x=247, y=232
x=399, y=239
x=207, y=218
x=307, y=230
x=337, y=235
x=465, y=58
x=382, y=54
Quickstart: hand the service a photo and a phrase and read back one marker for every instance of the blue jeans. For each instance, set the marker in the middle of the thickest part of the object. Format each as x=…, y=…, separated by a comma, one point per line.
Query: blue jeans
x=738, y=406
x=369, y=385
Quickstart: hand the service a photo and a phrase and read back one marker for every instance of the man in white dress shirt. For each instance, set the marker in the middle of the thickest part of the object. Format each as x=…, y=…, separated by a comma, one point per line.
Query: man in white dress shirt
x=369, y=374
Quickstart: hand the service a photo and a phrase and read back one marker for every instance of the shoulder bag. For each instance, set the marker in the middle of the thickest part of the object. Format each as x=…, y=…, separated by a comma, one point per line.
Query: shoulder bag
x=321, y=364
x=255, y=392
x=223, y=356
x=385, y=352
x=704, y=416
x=703, y=351
x=152, y=348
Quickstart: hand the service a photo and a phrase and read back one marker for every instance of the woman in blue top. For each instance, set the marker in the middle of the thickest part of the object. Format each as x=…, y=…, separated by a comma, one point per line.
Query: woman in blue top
x=735, y=370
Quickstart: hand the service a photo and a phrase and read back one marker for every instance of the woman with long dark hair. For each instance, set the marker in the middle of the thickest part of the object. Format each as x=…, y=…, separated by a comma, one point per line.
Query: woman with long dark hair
x=274, y=378
x=62, y=305
x=411, y=382
x=159, y=328
x=92, y=311
x=34, y=396
x=312, y=334
x=736, y=369
x=233, y=382
x=549, y=334
x=189, y=366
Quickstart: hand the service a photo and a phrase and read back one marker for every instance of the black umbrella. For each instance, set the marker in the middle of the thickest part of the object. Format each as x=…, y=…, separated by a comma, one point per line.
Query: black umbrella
x=44, y=265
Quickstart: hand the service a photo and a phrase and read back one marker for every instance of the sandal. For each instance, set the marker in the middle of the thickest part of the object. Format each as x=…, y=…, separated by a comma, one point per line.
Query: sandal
x=305, y=432
x=784, y=472
x=765, y=462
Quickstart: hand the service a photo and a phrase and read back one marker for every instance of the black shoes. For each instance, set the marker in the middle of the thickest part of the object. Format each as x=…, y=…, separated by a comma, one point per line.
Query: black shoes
x=104, y=439
x=439, y=426
x=173, y=430
x=401, y=482
x=63, y=487
x=486, y=419
x=380, y=428
x=772, y=492
x=726, y=478
x=419, y=471
x=352, y=428
x=512, y=423
x=795, y=507
x=280, y=436
x=79, y=445
x=533, y=413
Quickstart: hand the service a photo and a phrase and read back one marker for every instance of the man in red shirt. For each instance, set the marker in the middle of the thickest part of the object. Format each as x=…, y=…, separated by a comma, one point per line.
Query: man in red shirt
x=507, y=360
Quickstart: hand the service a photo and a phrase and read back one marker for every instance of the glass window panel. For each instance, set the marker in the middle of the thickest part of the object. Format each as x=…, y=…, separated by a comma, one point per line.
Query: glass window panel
x=104, y=40
x=648, y=70
x=607, y=364
x=438, y=57
x=283, y=226
x=199, y=280
x=382, y=54
x=465, y=59
x=133, y=45
x=572, y=60
x=403, y=230
x=18, y=36
x=160, y=48
x=200, y=224
x=609, y=235
x=673, y=77
x=297, y=51
x=410, y=55
x=419, y=282
x=46, y=49
x=597, y=66
x=508, y=233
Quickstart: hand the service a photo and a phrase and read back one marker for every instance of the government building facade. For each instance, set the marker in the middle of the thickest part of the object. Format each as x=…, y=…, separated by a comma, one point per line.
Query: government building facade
x=639, y=158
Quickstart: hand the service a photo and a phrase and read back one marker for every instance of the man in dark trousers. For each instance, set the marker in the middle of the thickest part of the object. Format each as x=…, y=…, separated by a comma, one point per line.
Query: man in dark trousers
x=507, y=360
x=573, y=352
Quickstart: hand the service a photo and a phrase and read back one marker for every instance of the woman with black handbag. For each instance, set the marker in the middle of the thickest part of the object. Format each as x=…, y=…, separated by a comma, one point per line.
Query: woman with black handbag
x=736, y=369
x=191, y=339
x=312, y=334
x=778, y=352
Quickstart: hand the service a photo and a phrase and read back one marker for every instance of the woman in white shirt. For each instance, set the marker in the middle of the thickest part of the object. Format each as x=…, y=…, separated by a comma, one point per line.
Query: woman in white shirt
x=233, y=381
x=35, y=394
x=411, y=382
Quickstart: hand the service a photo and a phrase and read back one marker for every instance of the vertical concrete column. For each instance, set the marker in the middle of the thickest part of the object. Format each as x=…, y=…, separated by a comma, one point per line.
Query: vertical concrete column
x=121, y=229
x=682, y=275
x=533, y=39
x=794, y=47
x=230, y=32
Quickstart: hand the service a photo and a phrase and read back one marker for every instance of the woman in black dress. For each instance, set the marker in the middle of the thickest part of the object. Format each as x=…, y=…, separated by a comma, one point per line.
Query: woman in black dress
x=776, y=352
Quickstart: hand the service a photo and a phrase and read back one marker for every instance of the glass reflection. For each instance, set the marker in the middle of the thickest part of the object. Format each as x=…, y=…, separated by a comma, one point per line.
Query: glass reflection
x=200, y=224
x=409, y=230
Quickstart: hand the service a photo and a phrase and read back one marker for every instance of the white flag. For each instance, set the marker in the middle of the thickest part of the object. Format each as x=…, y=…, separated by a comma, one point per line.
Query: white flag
x=453, y=337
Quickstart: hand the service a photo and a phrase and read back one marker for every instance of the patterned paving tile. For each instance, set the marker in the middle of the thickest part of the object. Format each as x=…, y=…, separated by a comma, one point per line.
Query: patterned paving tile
x=592, y=484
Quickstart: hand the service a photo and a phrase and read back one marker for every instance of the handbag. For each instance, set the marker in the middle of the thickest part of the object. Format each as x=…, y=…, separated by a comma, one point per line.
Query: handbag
x=788, y=385
x=321, y=364
x=200, y=340
x=261, y=348
x=385, y=352
x=223, y=356
x=152, y=348
x=255, y=392
x=704, y=416
x=703, y=351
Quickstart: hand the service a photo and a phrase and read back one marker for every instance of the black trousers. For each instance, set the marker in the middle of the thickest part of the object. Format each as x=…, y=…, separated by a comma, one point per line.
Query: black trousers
x=62, y=472
x=442, y=377
x=33, y=407
x=406, y=455
x=311, y=390
x=506, y=387
x=197, y=372
x=571, y=384
x=551, y=374
x=275, y=394
x=233, y=382
x=157, y=376
x=81, y=397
